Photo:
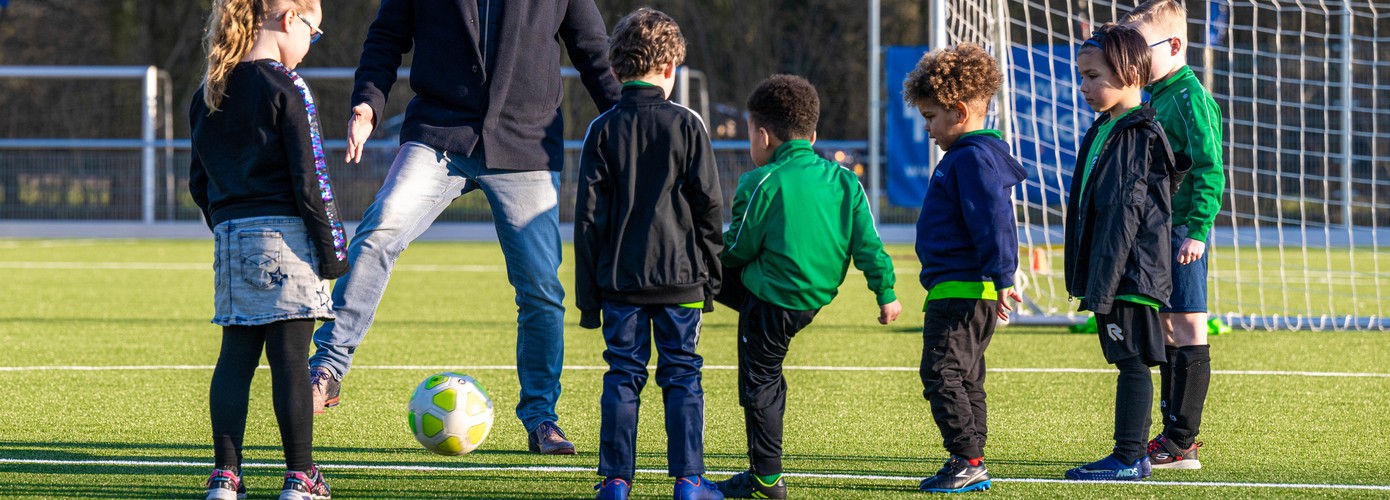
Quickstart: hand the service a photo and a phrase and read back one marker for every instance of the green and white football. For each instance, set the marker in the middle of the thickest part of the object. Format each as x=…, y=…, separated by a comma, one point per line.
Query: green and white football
x=450, y=414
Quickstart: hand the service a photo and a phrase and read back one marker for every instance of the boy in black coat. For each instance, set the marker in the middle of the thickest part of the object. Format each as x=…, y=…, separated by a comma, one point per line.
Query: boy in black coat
x=647, y=236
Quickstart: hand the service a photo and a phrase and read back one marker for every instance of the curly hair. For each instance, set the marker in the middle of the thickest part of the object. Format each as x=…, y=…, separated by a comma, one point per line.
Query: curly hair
x=643, y=42
x=785, y=105
x=962, y=74
x=1124, y=50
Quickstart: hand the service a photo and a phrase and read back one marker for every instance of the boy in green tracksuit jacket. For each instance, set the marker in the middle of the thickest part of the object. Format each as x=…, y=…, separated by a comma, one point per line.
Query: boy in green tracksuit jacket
x=1192, y=122
x=797, y=221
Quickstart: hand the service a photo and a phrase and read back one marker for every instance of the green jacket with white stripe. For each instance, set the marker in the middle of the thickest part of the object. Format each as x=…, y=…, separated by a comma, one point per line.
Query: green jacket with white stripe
x=797, y=222
x=1192, y=121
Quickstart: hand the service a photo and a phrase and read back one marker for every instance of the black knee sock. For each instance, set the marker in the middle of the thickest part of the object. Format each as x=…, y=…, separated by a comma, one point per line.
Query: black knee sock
x=1165, y=385
x=230, y=391
x=1191, y=376
x=287, y=349
x=1134, y=392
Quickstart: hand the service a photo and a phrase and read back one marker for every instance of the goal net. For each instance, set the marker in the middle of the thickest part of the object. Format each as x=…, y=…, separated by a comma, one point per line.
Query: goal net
x=1304, y=88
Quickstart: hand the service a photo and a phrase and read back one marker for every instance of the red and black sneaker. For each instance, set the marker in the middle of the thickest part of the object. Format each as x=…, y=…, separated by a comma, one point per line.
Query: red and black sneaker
x=1165, y=454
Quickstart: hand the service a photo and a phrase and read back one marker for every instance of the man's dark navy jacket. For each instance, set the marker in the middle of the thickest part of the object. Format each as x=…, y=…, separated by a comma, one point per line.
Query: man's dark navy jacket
x=508, y=107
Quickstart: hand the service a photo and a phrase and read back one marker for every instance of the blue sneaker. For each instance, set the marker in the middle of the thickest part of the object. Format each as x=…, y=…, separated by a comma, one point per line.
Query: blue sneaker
x=1108, y=469
x=696, y=488
x=1146, y=467
x=612, y=489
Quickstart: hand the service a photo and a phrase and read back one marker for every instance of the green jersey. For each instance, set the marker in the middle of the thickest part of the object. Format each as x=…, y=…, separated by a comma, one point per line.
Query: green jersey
x=1192, y=121
x=797, y=221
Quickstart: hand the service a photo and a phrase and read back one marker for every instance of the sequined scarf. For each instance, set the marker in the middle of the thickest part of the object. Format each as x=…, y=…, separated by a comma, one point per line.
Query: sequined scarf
x=320, y=167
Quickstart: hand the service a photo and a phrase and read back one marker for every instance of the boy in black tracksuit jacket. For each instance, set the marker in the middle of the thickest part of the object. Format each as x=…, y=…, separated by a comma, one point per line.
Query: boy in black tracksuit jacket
x=647, y=236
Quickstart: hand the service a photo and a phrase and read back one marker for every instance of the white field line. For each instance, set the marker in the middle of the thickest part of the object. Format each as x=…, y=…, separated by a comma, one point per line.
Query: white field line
x=80, y=368
x=523, y=468
x=207, y=266
x=59, y=243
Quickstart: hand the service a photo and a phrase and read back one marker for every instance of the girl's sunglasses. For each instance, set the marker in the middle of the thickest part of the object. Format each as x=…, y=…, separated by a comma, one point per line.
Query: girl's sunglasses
x=314, y=32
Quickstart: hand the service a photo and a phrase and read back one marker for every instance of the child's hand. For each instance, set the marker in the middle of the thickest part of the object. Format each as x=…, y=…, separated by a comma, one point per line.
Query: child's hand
x=889, y=312
x=1190, y=251
x=359, y=129
x=1003, y=308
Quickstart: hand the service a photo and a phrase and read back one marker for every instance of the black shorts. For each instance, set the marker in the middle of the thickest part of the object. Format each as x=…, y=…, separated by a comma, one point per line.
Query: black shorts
x=1130, y=330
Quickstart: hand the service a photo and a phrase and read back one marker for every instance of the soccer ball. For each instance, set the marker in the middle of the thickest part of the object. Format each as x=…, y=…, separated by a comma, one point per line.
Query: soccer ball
x=450, y=414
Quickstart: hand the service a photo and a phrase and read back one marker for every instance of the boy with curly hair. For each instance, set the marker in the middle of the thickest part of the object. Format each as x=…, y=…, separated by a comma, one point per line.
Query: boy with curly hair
x=798, y=219
x=967, y=243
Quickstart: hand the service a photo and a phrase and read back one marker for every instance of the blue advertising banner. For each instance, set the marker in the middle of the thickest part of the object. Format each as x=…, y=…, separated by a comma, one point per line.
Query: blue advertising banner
x=907, y=148
x=1049, y=119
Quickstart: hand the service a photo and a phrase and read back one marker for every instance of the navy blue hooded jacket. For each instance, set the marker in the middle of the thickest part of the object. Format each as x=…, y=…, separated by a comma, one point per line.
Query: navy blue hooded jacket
x=967, y=230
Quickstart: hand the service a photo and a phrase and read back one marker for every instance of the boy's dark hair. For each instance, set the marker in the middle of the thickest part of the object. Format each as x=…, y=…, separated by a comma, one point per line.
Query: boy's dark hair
x=962, y=74
x=643, y=42
x=785, y=105
x=1122, y=48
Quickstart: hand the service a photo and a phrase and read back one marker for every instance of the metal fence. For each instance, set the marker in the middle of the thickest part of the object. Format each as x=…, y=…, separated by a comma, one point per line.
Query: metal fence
x=102, y=180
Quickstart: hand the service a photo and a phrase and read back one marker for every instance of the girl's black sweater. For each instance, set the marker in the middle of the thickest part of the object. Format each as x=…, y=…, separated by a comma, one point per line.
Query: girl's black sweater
x=255, y=157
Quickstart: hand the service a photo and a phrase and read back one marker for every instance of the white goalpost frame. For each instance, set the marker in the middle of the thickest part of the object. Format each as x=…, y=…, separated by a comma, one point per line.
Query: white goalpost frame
x=1280, y=201
x=149, y=77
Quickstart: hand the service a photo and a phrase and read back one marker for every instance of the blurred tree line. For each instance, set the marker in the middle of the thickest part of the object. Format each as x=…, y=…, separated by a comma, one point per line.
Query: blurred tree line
x=736, y=43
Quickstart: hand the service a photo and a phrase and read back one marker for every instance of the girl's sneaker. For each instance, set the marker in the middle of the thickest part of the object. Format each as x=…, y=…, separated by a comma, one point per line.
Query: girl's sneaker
x=305, y=486
x=225, y=484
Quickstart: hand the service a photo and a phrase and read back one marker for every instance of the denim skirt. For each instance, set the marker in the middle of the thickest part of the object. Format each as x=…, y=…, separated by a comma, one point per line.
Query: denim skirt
x=266, y=270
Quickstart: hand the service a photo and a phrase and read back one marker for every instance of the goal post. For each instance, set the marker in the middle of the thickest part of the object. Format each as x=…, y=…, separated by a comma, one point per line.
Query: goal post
x=1301, y=240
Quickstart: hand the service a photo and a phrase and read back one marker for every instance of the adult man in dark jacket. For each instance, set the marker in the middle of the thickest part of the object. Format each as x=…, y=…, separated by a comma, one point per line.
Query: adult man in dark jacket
x=486, y=116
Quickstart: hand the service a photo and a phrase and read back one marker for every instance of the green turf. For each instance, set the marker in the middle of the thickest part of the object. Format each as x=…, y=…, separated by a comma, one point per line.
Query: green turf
x=107, y=309
x=1254, y=280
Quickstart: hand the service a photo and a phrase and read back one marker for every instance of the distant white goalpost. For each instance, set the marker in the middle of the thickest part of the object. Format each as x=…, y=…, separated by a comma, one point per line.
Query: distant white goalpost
x=1301, y=241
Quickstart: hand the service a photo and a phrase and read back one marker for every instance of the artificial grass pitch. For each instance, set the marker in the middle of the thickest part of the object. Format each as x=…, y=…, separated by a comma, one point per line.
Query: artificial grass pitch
x=857, y=426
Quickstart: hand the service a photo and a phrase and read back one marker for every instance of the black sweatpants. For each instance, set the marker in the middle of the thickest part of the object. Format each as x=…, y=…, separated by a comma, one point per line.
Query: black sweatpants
x=765, y=332
x=286, y=345
x=955, y=334
x=1132, y=340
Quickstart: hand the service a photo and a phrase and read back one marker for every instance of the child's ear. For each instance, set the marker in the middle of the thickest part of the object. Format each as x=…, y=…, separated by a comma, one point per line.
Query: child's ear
x=813, y=137
x=286, y=20
x=962, y=112
x=764, y=138
x=670, y=70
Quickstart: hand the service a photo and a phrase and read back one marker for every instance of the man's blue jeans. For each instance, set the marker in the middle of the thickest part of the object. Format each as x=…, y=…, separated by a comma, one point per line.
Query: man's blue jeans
x=628, y=331
x=421, y=184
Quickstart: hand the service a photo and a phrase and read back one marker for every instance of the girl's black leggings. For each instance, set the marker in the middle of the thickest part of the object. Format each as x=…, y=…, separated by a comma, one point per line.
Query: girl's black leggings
x=286, y=345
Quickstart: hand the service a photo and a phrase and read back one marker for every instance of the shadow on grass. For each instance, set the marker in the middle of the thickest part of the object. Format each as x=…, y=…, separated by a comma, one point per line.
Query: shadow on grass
x=127, y=489
x=134, y=480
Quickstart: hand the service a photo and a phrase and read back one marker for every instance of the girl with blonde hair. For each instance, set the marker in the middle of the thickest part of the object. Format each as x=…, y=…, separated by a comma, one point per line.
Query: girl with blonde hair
x=259, y=176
